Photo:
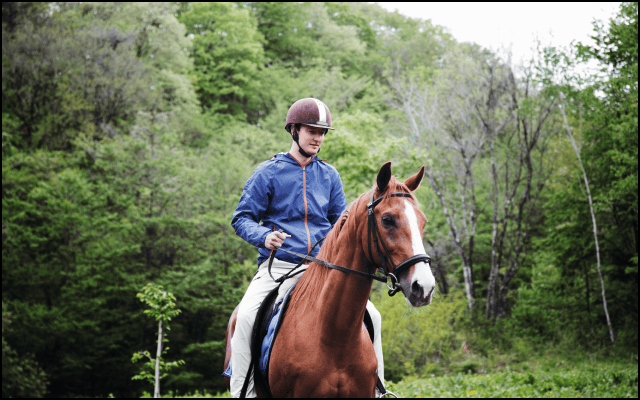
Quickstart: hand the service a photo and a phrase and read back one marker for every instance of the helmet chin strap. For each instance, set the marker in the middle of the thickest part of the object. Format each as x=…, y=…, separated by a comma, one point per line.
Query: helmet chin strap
x=300, y=149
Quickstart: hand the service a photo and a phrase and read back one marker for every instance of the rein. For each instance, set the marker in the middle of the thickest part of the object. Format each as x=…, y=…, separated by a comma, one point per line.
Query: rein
x=372, y=229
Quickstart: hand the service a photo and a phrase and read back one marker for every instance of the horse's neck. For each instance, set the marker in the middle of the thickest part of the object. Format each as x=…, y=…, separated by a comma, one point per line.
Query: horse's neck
x=339, y=299
x=345, y=301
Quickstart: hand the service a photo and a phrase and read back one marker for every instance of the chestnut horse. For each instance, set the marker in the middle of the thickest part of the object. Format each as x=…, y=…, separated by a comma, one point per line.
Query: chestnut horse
x=322, y=349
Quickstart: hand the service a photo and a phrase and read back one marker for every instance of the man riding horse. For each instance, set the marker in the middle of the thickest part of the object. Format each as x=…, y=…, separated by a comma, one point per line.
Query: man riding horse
x=290, y=202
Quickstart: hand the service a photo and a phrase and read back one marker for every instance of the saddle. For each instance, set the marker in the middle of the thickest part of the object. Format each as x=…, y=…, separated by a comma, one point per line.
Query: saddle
x=267, y=323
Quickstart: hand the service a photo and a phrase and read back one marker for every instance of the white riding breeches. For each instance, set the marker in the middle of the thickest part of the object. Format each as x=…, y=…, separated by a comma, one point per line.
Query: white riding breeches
x=260, y=286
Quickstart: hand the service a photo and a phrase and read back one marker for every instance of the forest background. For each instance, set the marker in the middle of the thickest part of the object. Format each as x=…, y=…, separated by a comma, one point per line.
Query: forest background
x=129, y=130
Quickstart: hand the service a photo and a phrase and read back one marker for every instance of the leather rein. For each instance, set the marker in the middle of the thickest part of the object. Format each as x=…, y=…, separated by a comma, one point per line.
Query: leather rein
x=373, y=234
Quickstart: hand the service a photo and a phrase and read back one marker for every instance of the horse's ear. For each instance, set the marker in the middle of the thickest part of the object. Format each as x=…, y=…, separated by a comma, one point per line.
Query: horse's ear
x=384, y=176
x=414, y=182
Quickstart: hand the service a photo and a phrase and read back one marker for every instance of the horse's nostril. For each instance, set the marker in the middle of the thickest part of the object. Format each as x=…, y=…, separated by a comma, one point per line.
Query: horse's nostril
x=429, y=296
x=416, y=288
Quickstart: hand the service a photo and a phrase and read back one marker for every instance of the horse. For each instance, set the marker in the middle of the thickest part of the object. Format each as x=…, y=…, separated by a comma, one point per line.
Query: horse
x=322, y=349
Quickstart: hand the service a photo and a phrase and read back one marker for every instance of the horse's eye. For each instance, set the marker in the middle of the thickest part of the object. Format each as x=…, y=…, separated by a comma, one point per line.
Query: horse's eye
x=388, y=220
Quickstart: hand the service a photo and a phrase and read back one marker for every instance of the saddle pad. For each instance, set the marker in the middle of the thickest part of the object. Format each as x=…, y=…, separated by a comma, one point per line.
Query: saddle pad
x=227, y=373
x=274, y=324
x=266, y=332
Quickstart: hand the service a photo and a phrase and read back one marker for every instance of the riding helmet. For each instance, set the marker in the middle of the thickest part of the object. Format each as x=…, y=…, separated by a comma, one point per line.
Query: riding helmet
x=309, y=111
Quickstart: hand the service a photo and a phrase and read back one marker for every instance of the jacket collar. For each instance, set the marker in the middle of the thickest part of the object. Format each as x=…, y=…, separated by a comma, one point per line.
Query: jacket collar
x=290, y=158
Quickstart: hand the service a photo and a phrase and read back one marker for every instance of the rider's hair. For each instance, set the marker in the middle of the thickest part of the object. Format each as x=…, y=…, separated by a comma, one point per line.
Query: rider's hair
x=295, y=128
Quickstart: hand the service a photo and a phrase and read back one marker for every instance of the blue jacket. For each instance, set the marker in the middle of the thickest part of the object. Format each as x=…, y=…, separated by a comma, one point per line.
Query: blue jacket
x=303, y=201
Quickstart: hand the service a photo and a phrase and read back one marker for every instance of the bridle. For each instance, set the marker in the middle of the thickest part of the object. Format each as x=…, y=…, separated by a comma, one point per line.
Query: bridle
x=373, y=234
x=372, y=229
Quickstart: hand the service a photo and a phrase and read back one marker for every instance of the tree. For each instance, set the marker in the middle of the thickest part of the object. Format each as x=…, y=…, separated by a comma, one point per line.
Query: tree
x=357, y=149
x=618, y=114
x=523, y=161
x=91, y=215
x=162, y=310
x=21, y=375
x=602, y=108
x=446, y=133
x=227, y=54
x=476, y=115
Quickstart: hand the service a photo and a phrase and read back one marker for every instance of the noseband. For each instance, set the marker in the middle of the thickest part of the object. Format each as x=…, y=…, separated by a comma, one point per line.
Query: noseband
x=373, y=232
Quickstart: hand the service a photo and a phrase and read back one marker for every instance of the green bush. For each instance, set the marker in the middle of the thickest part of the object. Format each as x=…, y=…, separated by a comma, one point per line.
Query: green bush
x=585, y=381
x=416, y=339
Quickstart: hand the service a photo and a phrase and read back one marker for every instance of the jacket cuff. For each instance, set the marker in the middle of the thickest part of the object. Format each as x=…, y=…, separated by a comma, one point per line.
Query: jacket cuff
x=263, y=237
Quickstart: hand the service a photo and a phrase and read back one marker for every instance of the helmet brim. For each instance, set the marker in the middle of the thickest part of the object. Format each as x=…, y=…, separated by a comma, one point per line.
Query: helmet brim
x=320, y=126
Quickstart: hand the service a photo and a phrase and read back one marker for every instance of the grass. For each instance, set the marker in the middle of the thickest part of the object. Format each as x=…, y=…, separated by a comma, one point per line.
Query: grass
x=197, y=395
x=580, y=382
x=543, y=374
x=544, y=377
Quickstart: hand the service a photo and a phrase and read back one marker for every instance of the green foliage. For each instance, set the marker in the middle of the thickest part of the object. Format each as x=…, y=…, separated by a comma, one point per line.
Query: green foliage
x=603, y=111
x=129, y=130
x=162, y=303
x=162, y=310
x=21, y=375
x=150, y=365
x=304, y=35
x=78, y=72
x=588, y=381
x=613, y=119
x=418, y=340
x=357, y=149
x=96, y=223
x=227, y=53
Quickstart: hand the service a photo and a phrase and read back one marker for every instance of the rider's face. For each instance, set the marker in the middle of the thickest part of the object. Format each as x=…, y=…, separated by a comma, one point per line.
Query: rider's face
x=311, y=138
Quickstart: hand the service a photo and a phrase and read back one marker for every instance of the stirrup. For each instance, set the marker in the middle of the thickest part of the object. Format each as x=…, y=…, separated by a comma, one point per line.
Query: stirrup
x=379, y=393
x=389, y=392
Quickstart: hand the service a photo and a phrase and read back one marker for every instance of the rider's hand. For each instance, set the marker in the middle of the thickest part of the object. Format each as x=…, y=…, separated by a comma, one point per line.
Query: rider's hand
x=274, y=240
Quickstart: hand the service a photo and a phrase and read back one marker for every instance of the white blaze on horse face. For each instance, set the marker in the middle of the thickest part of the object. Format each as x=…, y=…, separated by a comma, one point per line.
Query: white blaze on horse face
x=422, y=271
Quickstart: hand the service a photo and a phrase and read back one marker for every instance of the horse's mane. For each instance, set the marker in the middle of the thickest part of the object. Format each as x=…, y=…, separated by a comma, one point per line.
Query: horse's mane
x=343, y=231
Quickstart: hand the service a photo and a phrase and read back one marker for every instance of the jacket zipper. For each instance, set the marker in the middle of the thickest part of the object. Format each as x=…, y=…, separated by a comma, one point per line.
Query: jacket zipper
x=306, y=211
x=304, y=196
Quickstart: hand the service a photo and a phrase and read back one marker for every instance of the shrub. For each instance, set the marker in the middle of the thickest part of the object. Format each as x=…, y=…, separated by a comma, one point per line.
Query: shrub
x=415, y=338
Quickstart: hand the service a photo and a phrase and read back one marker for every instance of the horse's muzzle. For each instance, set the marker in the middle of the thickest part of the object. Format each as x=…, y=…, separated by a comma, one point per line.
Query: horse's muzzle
x=417, y=297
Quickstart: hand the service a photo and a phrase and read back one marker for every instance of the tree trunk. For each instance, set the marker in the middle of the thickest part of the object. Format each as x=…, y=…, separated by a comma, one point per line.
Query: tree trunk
x=468, y=282
x=156, y=391
x=493, y=272
x=443, y=278
x=593, y=219
x=467, y=268
x=586, y=278
x=444, y=286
